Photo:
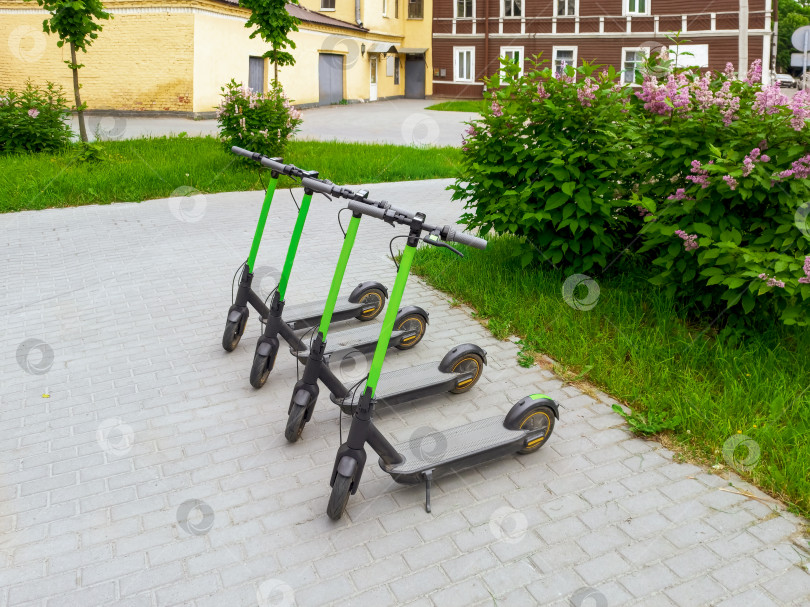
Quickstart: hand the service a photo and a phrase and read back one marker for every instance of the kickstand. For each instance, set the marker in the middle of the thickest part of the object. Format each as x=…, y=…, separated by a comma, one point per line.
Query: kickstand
x=428, y=477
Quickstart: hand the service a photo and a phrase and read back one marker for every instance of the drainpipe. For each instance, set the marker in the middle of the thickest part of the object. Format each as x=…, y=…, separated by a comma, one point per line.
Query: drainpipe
x=357, y=18
x=486, y=36
x=743, y=44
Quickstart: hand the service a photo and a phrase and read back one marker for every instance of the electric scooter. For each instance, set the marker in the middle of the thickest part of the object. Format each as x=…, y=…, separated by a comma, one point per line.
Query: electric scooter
x=411, y=320
x=526, y=427
x=364, y=303
x=457, y=372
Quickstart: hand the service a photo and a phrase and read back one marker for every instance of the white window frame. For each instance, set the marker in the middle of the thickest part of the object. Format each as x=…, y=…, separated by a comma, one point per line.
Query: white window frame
x=455, y=11
x=576, y=9
x=505, y=49
x=626, y=49
x=456, y=51
x=503, y=9
x=327, y=10
x=626, y=8
x=385, y=8
x=554, y=50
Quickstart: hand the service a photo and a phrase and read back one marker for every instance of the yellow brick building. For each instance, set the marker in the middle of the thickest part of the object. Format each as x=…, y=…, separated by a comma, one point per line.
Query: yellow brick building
x=175, y=55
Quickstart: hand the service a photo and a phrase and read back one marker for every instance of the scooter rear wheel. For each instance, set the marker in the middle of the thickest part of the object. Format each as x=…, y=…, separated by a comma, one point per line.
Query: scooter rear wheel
x=467, y=363
x=412, y=322
x=537, y=418
x=232, y=334
x=260, y=370
x=295, y=423
x=371, y=297
x=339, y=496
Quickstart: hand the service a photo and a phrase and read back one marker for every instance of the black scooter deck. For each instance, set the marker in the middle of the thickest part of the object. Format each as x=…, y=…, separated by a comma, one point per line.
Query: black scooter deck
x=360, y=339
x=404, y=385
x=306, y=315
x=455, y=448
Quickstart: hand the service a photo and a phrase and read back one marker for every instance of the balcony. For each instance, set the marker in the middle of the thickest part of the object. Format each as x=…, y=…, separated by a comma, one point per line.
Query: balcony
x=604, y=25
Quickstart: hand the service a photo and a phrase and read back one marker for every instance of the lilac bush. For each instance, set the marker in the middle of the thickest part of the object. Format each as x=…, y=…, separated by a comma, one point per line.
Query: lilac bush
x=259, y=122
x=34, y=119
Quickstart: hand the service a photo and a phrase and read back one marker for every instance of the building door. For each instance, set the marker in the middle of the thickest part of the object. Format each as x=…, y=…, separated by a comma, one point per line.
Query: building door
x=256, y=74
x=330, y=79
x=372, y=89
x=415, y=77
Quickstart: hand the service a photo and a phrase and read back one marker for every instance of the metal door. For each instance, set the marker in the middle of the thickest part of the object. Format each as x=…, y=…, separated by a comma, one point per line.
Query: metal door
x=330, y=78
x=372, y=90
x=415, y=77
x=256, y=74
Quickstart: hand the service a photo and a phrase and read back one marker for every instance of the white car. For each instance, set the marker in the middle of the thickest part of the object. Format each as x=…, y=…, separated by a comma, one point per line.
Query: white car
x=786, y=81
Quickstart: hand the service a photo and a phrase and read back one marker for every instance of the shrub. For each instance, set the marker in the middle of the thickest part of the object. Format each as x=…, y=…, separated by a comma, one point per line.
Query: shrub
x=259, y=122
x=34, y=119
x=543, y=164
x=723, y=171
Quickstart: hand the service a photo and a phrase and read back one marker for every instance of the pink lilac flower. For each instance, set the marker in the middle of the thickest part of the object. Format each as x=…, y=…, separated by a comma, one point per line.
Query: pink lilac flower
x=699, y=175
x=542, y=93
x=496, y=109
x=33, y=112
x=799, y=169
x=242, y=123
x=732, y=183
x=727, y=102
x=655, y=96
x=805, y=280
x=769, y=100
x=754, y=72
x=729, y=71
x=751, y=159
x=689, y=240
x=772, y=282
x=643, y=212
x=800, y=106
x=587, y=92
x=703, y=94
x=763, y=145
x=680, y=194
x=561, y=75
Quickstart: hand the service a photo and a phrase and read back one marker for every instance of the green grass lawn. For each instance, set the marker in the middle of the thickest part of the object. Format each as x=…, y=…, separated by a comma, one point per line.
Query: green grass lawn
x=142, y=169
x=633, y=345
x=462, y=105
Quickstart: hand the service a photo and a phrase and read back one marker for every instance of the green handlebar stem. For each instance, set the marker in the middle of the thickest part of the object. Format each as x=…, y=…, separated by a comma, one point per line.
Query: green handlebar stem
x=257, y=237
x=293, y=248
x=340, y=270
x=390, y=316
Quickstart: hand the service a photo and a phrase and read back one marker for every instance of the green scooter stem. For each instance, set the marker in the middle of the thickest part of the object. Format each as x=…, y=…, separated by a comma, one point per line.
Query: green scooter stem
x=293, y=248
x=257, y=238
x=390, y=316
x=340, y=270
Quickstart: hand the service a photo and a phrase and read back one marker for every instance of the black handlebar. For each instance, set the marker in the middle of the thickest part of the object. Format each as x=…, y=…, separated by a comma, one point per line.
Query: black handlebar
x=274, y=164
x=394, y=215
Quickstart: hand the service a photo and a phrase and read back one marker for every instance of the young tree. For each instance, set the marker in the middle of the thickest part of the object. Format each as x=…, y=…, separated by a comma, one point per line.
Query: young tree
x=75, y=22
x=273, y=23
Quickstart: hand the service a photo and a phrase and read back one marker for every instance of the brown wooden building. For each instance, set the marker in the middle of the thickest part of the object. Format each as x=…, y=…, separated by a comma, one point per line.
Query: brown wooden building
x=469, y=36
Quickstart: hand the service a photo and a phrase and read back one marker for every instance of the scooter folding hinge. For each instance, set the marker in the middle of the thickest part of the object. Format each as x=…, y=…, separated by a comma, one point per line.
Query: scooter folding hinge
x=428, y=478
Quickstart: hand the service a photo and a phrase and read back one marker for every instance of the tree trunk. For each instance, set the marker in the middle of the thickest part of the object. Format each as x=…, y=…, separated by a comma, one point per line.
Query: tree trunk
x=82, y=128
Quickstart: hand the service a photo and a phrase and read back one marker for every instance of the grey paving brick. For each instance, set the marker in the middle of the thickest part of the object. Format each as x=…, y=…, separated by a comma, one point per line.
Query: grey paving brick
x=602, y=568
x=418, y=584
x=793, y=585
x=648, y=580
x=514, y=575
x=699, y=591
x=468, y=592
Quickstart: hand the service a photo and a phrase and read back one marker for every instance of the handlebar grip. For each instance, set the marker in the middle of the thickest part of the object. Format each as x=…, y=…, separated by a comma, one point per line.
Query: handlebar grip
x=366, y=209
x=464, y=238
x=246, y=153
x=316, y=185
x=274, y=165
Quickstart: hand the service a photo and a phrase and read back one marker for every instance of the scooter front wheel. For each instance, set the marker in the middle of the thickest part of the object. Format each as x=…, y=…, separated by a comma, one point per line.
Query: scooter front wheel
x=260, y=370
x=415, y=323
x=537, y=418
x=295, y=423
x=339, y=496
x=232, y=334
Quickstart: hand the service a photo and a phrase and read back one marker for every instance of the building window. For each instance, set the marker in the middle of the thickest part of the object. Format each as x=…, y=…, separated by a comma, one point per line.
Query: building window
x=513, y=54
x=396, y=70
x=464, y=9
x=632, y=58
x=385, y=8
x=415, y=9
x=566, y=8
x=636, y=7
x=396, y=9
x=564, y=56
x=511, y=8
x=327, y=5
x=463, y=63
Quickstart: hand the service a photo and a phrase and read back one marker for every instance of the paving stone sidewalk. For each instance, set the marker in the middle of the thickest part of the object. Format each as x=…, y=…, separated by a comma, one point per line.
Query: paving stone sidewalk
x=153, y=474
